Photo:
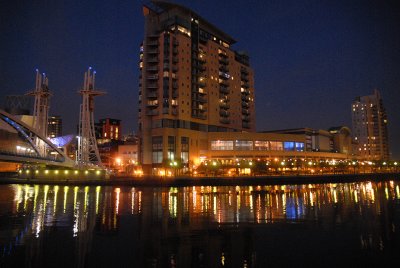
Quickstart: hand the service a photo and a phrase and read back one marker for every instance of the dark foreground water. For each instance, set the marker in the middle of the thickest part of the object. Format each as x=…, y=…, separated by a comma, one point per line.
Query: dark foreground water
x=319, y=225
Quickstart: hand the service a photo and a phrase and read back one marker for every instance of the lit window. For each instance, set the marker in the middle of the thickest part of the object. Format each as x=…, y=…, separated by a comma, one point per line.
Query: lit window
x=242, y=145
x=222, y=145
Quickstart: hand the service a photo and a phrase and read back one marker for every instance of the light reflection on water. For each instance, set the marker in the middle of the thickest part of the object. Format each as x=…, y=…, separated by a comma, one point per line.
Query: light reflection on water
x=204, y=226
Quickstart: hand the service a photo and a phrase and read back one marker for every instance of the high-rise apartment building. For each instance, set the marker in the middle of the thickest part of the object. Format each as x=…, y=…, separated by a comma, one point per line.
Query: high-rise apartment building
x=54, y=126
x=370, y=127
x=192, y=82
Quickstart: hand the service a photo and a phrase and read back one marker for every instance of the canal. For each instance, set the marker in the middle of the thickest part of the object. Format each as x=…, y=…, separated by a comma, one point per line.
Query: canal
x=317, y=225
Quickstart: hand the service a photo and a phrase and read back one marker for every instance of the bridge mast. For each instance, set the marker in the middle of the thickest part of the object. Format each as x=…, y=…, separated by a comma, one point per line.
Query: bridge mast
x=41, y=107
x=88, y=153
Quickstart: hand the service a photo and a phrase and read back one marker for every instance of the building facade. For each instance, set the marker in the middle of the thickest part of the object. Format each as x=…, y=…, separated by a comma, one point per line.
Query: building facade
x=192, y=82
x=54, y=127
x=370, y=132
x=108, y=129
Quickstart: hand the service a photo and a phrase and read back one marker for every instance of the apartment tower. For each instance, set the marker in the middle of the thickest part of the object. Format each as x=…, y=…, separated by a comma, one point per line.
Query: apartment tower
x=191, y=83
x=54, y=126
x=370, y=127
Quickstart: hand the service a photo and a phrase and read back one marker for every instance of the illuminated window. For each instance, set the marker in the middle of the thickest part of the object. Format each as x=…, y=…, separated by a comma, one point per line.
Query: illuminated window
x=243, y=145
x=222, y=145
x=261, y=145
x=276, y=146
x=185, y=149
x=157, y=144
x=300, y=146
x=288, y=146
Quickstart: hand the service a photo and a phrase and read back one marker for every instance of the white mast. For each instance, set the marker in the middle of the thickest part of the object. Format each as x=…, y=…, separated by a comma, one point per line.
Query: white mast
x=41, y=107
x=88, y=153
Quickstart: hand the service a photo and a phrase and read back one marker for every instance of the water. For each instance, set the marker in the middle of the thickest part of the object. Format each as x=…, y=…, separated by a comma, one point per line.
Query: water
x=324, y=225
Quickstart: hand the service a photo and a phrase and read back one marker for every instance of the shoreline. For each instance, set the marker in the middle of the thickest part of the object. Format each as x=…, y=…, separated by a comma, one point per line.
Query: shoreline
x=149, y=181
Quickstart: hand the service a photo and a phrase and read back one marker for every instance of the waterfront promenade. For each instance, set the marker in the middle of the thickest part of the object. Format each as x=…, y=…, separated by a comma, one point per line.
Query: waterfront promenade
x=153, y=181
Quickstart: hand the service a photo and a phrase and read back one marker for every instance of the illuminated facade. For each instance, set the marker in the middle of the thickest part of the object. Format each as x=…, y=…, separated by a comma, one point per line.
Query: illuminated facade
x=108, y=128
x=192, y=83
x=370, y=127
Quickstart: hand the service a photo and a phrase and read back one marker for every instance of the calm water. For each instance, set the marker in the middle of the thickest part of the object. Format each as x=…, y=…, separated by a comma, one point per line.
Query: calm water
x=337, y=225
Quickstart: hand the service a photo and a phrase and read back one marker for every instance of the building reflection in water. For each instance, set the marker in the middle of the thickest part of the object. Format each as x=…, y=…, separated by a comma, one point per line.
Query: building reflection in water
x=204, y=226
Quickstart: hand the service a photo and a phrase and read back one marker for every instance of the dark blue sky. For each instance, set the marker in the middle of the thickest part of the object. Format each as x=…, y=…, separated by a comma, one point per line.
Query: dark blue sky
x=311, y=58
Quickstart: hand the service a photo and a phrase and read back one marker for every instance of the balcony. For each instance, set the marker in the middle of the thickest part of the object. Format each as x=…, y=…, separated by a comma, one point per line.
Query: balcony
x=244, y=84
x=224, y=68
x=224, y=113
x=174, y=69
x=152, y=112
x=175, y=42
x=224, y=83
x=175, y=59
x=245, y=91
x=245, y=98
x=201, y=98
x=244, y=78
x=201, y=68
x=224, y=105
x=174, y=111
x=152, y=85
x=152, y=94
x=152, y=104
x=153, y=51
x=153, y=68
x=245, y=118
x=199, y=116
x=175, y=85
x=223, y=61
x=222, y=53
x=174, y=51
x=203, y=109
x=224, y=120
x=175, y=94
x=245, y=105
x=244, y=70
x=224, y=89
x=202, y=83
x=245, y=112
x=152, y=60
x=245, y=125
x=152, y=43
x=152, y=77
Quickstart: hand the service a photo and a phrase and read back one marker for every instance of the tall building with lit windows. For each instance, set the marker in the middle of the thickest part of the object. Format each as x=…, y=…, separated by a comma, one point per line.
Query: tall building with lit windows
x=54, y=126
x=370, y=132
x=192, y=83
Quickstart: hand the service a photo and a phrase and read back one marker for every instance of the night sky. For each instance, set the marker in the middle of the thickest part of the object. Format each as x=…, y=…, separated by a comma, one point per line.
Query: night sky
x=311, y=58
